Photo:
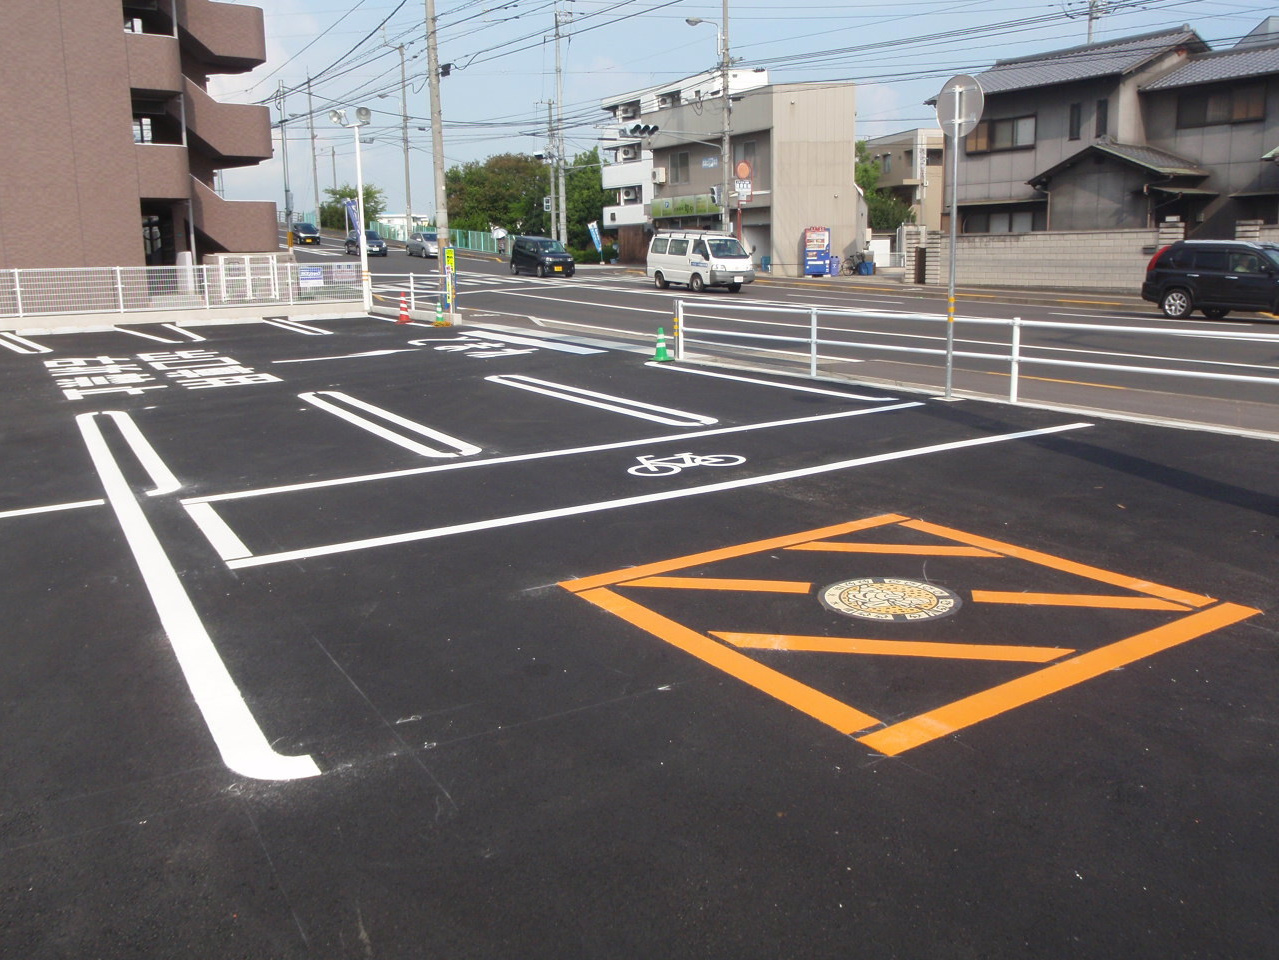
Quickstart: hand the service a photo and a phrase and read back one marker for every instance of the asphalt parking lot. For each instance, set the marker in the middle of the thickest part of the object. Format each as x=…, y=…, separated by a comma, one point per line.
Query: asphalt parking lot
x=351, y=638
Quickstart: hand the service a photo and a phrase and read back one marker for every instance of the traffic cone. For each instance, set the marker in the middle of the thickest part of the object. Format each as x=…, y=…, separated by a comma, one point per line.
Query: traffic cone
x=439, y=314
x=404, y=309
x=661, y=355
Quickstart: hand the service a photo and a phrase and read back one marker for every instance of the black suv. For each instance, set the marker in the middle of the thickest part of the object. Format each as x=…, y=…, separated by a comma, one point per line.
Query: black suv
x=1215, y=276
x=541, y=255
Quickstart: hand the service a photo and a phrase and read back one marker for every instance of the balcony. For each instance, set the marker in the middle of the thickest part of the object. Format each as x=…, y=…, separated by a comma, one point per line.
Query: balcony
x=636, y=173
x=626, y=215
x=224, y=37
x=163, y=173
x=231, y=134
x=155, y=64
x=233, y=226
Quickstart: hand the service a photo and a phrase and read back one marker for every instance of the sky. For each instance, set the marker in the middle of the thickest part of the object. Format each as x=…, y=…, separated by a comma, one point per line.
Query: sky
x=503, y=53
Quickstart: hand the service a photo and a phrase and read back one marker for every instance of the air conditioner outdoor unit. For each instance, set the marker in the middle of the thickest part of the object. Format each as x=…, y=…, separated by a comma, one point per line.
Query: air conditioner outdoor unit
x=630, y=193
x=659, y=174
x=629, y=152
x=668, y=100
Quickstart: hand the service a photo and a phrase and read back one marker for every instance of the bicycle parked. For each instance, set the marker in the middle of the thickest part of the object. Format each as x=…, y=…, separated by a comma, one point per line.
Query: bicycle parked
x=851, y=264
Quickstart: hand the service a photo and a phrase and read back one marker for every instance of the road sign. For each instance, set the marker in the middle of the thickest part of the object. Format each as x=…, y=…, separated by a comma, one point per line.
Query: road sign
x=960, y=99
x=743, y=170
x=744, y=190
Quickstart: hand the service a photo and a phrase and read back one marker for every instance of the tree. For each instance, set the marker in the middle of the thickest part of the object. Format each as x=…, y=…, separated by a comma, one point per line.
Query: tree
x=332, y=213
x=886, y=212
x=505, y=190
x=585, y=197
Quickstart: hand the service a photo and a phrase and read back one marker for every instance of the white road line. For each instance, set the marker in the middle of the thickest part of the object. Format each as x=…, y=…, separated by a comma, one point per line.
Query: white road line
x=147, y=336
x=769, y=383
x=604, y=401
x=459, y=447
x=21, y=344
x=51, y=508
x=220, y=536
x=349, y=356
x=189, y=334
x=534, y=342
x=161, y=476
x=295, y=326
x=240, y=741
x=544, y=455
x=478, y=525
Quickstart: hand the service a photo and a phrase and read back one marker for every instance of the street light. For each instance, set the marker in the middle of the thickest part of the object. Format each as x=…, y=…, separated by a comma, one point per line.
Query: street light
x=721, y=39
x=362, y=116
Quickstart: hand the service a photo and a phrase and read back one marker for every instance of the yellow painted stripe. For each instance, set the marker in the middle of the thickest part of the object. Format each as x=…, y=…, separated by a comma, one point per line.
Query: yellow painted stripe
x=895, y=648
x=894, y=548
x=818, y=705
x=1075, y=600
x=1066, y=566
x=1052, y=679
x=711, y=556
x=705, y=583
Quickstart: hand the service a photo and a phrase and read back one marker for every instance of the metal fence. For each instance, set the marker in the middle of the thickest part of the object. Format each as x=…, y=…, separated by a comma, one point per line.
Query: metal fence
x=740, y=329
x=235, y=282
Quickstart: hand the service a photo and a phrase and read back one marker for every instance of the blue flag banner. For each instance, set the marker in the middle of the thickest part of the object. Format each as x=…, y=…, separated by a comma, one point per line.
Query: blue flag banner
x=353, y=211
x=594, y=227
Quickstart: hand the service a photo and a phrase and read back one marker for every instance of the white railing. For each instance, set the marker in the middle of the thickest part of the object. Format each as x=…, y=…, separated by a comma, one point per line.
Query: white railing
x=750, y=338
x=233, y=283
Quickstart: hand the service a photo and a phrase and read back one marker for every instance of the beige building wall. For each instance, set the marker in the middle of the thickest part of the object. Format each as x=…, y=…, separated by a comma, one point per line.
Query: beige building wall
x=813, y=160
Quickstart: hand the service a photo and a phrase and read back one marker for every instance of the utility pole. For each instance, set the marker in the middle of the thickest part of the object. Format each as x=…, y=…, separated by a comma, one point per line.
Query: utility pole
x=404, y=117
x=550, y=171
x=561, y=18
x=315, y=168
x=725, y=155
x=437, y=129
x=333, y=165
x=284, y=156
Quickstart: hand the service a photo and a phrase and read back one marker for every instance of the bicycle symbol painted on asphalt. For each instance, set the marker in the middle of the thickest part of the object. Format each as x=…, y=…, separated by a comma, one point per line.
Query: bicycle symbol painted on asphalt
x=669, y=466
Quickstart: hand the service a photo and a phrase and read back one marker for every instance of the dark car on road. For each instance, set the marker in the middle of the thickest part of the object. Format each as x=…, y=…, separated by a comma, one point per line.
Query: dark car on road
x=376, y=245
x=1213, y=276
x=541, y=255
x=306, y=233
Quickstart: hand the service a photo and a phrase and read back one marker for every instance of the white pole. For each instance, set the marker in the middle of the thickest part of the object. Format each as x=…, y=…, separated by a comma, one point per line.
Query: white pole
x=954, y=224
x=366, y=282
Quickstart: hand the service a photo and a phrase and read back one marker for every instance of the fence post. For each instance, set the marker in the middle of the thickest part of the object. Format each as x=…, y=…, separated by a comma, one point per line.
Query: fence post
x=119, y=288
x=679, y=329
x=17, y=290
x=204, y=280
x=413, y=290
x=1015, y=361
x=812, y=346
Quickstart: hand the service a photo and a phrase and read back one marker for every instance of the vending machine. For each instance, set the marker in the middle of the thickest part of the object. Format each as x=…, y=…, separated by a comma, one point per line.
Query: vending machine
x=817, y=256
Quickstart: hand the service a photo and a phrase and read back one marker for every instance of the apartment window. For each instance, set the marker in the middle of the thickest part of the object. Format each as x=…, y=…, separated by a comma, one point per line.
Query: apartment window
x=744, y=151
x=679, y=167
x=142, y=130
x=1014, y=133
x=1103, y=118
x=1076, y=121
x=886, y=163
x=1206, y=108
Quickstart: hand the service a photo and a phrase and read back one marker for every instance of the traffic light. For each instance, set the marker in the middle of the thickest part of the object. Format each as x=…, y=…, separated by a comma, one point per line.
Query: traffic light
x=546, y=204
x=642, y=130
x=715, y=191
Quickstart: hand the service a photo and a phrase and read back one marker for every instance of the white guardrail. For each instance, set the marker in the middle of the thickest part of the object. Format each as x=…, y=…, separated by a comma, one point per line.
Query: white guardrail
x=1015, y=356
x=39, y=292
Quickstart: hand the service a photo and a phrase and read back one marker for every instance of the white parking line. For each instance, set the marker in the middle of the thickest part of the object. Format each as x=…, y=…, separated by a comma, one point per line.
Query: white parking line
x=21, y=344
x=603, y=401
x=545, y=454
x=160, y=474
x=145, y=336
x=295, y=326
x=459, y=447
x=492, y=524
x=239, y=739
x=221, y=537
x=51, y=508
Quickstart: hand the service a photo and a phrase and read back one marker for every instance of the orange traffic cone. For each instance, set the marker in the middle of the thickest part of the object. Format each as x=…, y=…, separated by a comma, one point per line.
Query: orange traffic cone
x=404, y=309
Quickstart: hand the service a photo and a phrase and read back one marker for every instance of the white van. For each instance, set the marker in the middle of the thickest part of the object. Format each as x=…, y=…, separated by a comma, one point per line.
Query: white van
x=700, y=259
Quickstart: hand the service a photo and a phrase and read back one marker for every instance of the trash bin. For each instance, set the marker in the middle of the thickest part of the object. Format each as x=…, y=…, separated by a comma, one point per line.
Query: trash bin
x=766, y=264
x=866, y=268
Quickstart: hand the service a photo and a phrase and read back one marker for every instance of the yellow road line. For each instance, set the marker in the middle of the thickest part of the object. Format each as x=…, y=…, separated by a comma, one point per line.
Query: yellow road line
x=1075, y=600
x=1052, y=679
x=895, y=648
x=711, y=556
x=894, y=548
x=706, y=583
x=1066, y=566
x=818, y=705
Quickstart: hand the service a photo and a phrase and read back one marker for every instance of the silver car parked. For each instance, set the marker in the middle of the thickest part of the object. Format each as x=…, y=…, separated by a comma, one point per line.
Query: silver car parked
x=423, y=245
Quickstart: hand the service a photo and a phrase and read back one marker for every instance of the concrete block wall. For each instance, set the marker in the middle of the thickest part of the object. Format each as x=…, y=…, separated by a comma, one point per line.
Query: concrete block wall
x=1100, y=260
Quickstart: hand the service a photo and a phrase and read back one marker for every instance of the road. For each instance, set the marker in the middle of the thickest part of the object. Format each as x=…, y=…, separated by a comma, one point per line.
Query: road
x=1059, y=365
x=354, y=639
